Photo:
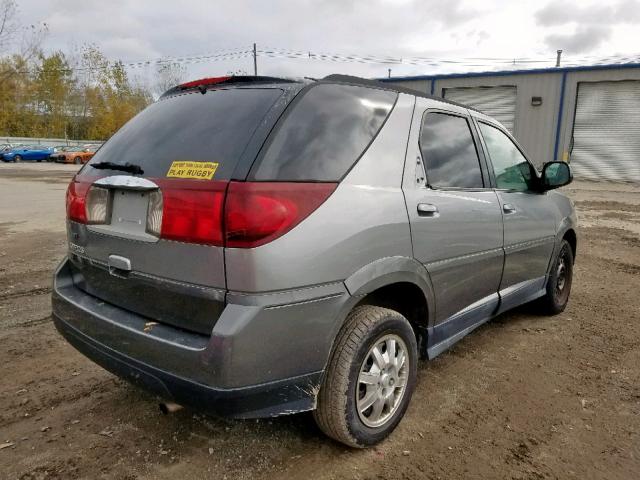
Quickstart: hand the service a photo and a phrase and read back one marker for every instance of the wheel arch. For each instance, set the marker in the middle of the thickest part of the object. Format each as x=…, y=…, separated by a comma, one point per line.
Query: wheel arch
x=571, y=237
x=399, y=283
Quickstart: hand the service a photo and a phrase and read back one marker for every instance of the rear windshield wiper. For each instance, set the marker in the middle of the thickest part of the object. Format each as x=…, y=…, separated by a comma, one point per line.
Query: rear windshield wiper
x=123, y=167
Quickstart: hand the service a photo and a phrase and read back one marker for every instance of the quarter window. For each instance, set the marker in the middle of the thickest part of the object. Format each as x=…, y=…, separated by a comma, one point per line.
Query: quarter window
x=449, y=152
x=512, y=170
x=324, y=134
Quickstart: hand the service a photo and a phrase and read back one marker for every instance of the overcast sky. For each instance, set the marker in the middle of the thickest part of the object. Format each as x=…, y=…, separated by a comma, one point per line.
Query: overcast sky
x=453, y=30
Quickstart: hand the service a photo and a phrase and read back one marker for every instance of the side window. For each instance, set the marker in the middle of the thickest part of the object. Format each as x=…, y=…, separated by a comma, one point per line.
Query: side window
x=449, y=152
x=325, y=133
x=512, y=170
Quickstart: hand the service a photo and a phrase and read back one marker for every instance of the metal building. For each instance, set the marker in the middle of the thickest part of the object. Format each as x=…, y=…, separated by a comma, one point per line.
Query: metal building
x=589, y=116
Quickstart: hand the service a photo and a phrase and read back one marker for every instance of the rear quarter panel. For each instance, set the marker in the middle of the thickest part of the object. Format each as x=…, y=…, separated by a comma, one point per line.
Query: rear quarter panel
x=365, y=219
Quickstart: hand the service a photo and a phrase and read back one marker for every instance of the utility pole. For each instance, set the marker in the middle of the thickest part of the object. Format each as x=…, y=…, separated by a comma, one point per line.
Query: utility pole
x=255, y=60
x=559, y=52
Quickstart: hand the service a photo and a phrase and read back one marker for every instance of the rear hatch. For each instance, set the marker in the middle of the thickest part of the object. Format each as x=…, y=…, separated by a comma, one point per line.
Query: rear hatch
x=145, y=214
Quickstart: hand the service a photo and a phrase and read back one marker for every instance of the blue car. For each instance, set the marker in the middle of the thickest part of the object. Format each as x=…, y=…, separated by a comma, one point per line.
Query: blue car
x=25, y=152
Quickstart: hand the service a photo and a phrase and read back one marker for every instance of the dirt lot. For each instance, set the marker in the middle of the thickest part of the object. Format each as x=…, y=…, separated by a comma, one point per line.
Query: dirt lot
x=524, y=397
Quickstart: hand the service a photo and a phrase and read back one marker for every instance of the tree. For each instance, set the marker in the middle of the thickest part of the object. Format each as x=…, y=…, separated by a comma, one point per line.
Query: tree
x=8, y=24
x=168, y=75
x=53, y=84
x=53, y=95
x=24, y=41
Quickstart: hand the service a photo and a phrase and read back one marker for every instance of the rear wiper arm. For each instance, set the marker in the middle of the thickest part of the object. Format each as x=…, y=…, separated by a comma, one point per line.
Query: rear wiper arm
x=123, y=167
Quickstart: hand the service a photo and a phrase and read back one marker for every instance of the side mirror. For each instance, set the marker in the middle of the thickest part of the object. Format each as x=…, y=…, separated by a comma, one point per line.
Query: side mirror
x=555, y=175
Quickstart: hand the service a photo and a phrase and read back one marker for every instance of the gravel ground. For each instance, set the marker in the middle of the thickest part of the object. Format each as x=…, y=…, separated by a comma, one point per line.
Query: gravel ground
x=523, y=397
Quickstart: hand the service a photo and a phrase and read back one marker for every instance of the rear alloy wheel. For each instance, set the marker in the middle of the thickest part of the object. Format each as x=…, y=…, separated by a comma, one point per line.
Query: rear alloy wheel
x=382, y=381
x=370, y=377
x=559, y=284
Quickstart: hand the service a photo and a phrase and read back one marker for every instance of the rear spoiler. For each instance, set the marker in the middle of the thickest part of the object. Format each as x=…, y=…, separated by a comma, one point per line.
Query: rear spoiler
x=203, y=84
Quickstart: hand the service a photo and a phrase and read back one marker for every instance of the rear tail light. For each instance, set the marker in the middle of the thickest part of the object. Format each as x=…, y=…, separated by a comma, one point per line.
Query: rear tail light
x=259, y=212
x=88, y=204
x=192, y=211
x=76, y=201
x=98, y=206
x=231, y=214
x=154, y=213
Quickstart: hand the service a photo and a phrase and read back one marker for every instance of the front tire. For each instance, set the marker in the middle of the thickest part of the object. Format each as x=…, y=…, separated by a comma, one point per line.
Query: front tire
x=77, y=160
x=559, y=284
x=17, y=158
x=370, y=377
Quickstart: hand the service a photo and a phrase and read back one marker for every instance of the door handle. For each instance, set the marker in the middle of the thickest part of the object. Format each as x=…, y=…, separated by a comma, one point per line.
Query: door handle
x=508, y=208
x=427, y=210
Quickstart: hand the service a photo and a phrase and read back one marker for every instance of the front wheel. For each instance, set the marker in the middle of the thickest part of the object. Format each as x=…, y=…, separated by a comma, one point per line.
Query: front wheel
x=17, y=158
x=77, y=160
x=559, y=284
x=370, y=377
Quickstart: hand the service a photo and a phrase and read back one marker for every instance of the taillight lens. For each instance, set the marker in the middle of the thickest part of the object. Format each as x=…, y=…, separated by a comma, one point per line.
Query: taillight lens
x=259, y=212
x=154, y=213
x=220, y=213
x=192, y=211
x=76, y=201
x=98, y=206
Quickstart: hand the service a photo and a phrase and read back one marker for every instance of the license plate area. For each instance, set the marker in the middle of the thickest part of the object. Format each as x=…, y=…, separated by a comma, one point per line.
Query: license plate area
x=128, y=216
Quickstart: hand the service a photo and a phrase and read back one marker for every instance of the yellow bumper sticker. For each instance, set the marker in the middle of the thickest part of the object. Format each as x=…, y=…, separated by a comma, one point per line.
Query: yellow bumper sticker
x=199, y=170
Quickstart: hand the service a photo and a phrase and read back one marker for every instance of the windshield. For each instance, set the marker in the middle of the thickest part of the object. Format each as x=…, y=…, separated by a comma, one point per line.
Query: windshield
x=189, y=129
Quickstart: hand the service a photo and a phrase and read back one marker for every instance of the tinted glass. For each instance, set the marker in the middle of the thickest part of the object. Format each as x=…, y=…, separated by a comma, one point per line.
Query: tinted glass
x=214, y=127
x=449, y=152
x=512, y=170
x=325, y=133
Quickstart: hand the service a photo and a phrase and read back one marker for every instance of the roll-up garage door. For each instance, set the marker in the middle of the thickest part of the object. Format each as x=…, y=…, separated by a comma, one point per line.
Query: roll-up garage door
x=606, y=131
x=497, y=102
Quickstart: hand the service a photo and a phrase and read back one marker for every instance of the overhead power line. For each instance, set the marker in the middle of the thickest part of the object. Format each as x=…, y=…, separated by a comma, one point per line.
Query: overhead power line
x=253, y=51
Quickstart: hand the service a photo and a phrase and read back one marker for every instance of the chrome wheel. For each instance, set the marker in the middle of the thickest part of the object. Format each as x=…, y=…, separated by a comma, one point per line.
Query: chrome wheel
x=382, y=381
x=561, y=275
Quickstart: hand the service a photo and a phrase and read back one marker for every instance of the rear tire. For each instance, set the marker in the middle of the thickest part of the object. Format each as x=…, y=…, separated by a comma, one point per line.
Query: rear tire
x=559, y=284
x=369, y=379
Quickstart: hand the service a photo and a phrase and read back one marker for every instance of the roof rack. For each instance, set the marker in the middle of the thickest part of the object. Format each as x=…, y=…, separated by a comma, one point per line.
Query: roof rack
x=388, y=86
x=204, y=83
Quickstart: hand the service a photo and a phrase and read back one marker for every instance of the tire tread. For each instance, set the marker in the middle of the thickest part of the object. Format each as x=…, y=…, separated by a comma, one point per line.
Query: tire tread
x=332, y=399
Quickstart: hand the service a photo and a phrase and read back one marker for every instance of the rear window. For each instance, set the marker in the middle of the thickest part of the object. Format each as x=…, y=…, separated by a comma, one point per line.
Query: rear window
x=324, y=133
x=214, y=127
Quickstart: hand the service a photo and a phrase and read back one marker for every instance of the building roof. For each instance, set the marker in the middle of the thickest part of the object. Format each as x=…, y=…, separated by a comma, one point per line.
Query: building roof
x=504, y=73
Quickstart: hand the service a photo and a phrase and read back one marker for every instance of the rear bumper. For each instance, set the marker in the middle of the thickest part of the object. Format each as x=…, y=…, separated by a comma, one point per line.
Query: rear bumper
x=270, y=399
x=261, y=359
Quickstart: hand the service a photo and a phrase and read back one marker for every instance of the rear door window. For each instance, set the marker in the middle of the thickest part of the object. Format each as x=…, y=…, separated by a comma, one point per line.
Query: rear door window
x=324, y=134
x=449, y=152
x=214, y=127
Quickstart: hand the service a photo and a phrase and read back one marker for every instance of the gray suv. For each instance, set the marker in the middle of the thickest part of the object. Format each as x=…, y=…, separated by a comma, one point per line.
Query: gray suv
x=254, y=246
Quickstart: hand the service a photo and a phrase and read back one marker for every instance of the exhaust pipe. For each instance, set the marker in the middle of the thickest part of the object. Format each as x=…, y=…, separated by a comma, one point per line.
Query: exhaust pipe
x=169, y=407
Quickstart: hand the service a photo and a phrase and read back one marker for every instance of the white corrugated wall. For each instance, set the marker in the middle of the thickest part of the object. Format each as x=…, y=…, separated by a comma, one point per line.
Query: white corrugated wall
x=606, y=132
x=498, y=102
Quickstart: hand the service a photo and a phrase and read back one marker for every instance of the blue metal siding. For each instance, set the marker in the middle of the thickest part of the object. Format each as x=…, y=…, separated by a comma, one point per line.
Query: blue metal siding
x=560, y=111
x=503, y=73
